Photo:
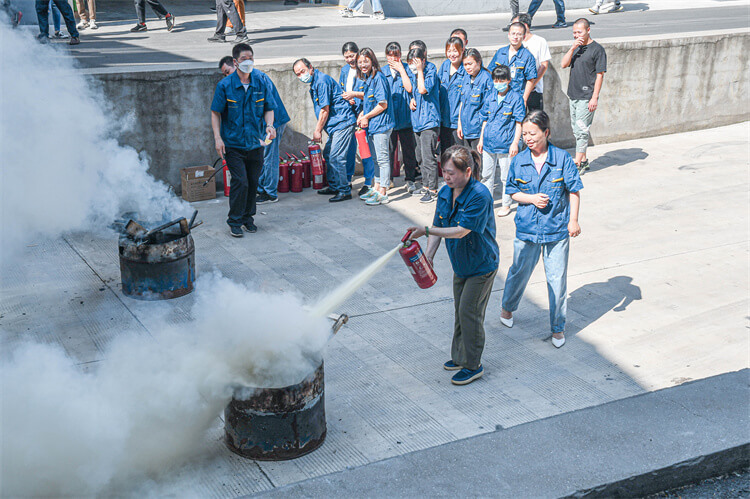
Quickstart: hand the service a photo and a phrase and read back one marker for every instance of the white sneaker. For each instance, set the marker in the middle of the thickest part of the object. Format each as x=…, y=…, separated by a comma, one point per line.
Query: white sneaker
x=506, y=322
x=504, y=211
x=93, y=24
x=594, y=9
x=229, y=32
x=558, y=343
x=82, y=25
x=346, y=13
x=379, y=16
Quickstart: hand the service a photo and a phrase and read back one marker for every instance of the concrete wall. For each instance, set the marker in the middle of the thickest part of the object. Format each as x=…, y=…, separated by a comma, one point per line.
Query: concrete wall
x=652, y=87
x=411, y=8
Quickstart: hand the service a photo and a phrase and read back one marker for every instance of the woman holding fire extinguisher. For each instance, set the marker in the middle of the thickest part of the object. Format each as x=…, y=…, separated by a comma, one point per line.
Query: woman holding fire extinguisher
x=464, y=217
x=377, y=118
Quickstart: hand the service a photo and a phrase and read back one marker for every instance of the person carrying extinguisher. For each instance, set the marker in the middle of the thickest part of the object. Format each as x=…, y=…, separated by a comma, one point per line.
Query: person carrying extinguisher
x=377, y=118
x=465, y=218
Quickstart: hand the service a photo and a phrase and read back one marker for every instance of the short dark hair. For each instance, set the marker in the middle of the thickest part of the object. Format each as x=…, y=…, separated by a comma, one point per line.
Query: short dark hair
x=370, y=54
x=518, y=25
x=462, y=158
x=240, y=48
x=539, y=118
x=393, y=48
x=303, y=61
x=349, y=47
x=501, y=72
x=416, y=53
x=420, y=44
x=227, y=59
x=460, y=31
x=524, y=18
x=584, y=21
x=474, y=54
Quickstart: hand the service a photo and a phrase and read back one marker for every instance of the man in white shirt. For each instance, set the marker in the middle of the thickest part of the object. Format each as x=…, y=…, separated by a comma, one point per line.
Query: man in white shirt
x=540, y=50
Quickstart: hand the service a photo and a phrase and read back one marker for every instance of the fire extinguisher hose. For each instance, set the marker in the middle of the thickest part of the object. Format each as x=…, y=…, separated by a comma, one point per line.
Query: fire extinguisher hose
x=213, y=174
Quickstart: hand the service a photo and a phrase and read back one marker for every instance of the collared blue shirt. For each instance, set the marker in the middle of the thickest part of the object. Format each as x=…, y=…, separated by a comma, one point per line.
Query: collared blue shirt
x=377, y=90
x=558, y=178
x=324, y=91
x=242, y=110
x=477, y=252
x=522, y=66
x=280, y=115
x=473, y=97
x=501, y=121
x=450, y=93
x=427, y=114
x=357, y=86
x=400, y=98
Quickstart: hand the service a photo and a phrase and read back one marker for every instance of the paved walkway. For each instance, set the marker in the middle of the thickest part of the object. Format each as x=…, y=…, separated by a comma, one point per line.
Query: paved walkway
x=658, y=287
x=280, y=33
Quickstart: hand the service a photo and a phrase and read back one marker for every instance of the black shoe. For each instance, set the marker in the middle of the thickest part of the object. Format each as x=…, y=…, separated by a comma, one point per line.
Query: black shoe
x=261, y=198
x=241, y=39
x=560, y=24
x=291, y=2
x=507, y=28
x=235, y=231
x=328, y=191
x=363, y=190
x=138, y=28
x=250, y=227
x=170, y=22
x=339, y=197
x=213, y=9
x=74, y=40
x=42, y=38
x=217, y=38
x=427, y=198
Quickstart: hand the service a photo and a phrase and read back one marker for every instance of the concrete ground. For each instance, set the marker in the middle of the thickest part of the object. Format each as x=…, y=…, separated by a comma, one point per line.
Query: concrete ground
x=281, y=34
x=658, y=296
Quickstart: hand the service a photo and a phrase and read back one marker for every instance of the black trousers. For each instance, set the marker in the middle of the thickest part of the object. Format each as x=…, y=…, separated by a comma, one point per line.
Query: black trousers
x=536, y=101
x=156, y=6
x=448, y=137
x=405, y=137
x=245, y=167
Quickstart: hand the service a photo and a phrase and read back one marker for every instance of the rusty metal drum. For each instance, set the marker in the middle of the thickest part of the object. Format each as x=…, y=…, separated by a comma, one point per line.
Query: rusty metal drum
x=160, y=268
x=276, y=424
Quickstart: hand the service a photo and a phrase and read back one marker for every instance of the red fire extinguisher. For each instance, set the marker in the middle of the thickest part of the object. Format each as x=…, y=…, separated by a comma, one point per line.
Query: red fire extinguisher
x=227, y=176
x=295, y=175
x=316, y=165
x=364, y=147
x=419, y=266
x=306, y=171
x=283, y=175
x=396, y=164
x=438, y=149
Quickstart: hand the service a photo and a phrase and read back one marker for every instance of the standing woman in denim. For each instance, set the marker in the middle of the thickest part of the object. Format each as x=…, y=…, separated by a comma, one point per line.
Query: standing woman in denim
x=377, y=118
x=544, y=181
x=451, y=74
x=476, y=89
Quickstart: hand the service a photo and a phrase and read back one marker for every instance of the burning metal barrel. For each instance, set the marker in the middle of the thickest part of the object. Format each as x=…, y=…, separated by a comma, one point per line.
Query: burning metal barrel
x=276, y=424
x=157, y=264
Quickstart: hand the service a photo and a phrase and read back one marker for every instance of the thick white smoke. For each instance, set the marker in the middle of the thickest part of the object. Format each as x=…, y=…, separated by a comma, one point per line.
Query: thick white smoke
x=61, y=167
x=147, y=407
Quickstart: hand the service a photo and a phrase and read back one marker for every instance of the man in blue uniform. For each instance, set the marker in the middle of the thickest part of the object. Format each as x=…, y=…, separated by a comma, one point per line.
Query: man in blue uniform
x=336, y=117
x=243, y=103
x=520, y=61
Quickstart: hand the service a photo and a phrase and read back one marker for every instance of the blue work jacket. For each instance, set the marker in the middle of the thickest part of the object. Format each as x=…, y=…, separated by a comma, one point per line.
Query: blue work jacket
x=377, y=90
x=280, y=115
x=242, y=122
x=324, y=91
x=474, y=95
x=427, y=114
x=522, y=66
x=450, y=93
x=400, y=98
x=501, y=121
x=358, y=86
x=477, y=252
x=558, y=178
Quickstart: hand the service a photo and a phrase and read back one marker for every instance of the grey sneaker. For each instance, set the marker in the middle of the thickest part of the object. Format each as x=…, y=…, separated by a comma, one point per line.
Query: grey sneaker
x=241, y=39
x=61, y=36
x=427, y=198
x=410, y=187
x=217, y=38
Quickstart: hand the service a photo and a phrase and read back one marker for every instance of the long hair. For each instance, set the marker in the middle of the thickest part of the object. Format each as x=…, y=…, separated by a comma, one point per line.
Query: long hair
x=462, y=158
x=370, y=54
x=349, y=47
x=457, y=44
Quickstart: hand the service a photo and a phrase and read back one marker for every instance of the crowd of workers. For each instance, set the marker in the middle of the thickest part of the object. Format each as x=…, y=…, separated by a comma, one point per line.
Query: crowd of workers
x=478, y=119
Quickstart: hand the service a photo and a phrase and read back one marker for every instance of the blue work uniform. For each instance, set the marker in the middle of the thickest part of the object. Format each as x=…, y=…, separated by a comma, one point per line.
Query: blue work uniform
x=242, y=122
x=358, y=86
x=377, y=90
x=324, y=91
x=400, y=98
x=477, y=252
x=522, y=66
x=427, y=114
x=269, y=177
x=474, y=94
x=557, y=179
x=501, y=118
x=450, y=93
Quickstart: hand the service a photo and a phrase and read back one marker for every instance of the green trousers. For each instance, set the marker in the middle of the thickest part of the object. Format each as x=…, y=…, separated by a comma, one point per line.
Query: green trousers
x=471, y=296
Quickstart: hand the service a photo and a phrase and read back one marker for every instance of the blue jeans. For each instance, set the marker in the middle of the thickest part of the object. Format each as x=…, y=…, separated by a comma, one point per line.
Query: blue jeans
x=42, y=16
x=379, y=144
x=269, y=177
x=55, y=15
x=356, y=4
x=525, y=258
x=368, y=165
x=559, y=9
x=335, y=153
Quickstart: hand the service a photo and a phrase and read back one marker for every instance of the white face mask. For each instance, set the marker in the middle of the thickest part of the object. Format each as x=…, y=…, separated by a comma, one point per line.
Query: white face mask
x=246, y=66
